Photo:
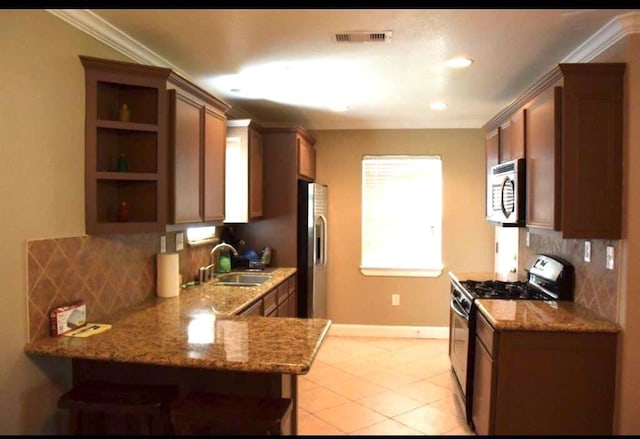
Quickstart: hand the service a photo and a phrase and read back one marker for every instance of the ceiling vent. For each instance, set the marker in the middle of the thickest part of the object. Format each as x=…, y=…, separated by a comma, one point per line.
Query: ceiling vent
x=364, y=37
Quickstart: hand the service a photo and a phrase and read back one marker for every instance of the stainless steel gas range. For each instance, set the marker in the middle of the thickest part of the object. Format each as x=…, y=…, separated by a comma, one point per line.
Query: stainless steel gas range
x=549, y=278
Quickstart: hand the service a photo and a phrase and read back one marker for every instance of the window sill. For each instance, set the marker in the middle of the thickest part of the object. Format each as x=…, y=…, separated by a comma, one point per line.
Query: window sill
x=401, y=272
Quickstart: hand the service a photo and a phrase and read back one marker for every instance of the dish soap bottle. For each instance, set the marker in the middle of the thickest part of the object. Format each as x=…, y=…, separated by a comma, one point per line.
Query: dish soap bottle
x=224, y=261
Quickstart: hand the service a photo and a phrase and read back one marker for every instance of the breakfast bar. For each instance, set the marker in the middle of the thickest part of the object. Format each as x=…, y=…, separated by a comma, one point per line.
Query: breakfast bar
x=195, y=342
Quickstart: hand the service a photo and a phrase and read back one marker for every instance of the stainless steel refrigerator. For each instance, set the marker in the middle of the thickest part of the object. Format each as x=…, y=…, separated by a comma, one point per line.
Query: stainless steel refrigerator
x=312, y=250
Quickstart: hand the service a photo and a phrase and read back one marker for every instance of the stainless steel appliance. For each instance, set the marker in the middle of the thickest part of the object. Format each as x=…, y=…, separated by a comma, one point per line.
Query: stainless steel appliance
x=312, y=250
x=549, y=278
x=506, y=193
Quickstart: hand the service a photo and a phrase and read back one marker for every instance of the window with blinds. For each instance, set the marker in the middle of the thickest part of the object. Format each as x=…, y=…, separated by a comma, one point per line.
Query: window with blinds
x=401, y=215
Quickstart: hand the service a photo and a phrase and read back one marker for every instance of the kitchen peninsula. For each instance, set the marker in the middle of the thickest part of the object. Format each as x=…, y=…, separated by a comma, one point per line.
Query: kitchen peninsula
x=197, y=341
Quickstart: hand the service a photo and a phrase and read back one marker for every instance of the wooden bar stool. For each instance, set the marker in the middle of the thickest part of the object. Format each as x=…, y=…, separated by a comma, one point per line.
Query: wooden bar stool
x=208, y=414
x=105, y=408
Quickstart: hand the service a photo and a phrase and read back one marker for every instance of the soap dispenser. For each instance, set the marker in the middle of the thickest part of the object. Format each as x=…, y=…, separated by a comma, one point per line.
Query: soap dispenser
x=224, y=261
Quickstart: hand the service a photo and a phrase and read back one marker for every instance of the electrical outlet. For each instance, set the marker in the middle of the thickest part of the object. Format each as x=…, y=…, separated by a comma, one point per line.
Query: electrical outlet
x=163, y=244
x=587, y=251
x=395, y=299
x=610, y=257
x=528, y=238
x=179, y=241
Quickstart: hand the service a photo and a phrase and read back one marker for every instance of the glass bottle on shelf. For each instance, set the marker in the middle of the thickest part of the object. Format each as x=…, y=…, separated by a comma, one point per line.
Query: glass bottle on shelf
x=122, y=163
x=124, y=113
x=123, y=212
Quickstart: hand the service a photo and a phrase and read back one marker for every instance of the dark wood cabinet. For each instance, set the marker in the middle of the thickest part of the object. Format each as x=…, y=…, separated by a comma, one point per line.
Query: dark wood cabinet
x=278, y=227
x=571, y=125
x=125, y=147
x=281, y=301
x=197, y=145
x=306, y=157
x=492, y=158
x=512, y=137
x=543, y=160
x=543, y=382
x=244, y=171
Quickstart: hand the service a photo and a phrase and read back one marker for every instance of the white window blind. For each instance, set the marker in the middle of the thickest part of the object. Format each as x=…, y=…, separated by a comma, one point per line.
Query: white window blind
x=401, y=215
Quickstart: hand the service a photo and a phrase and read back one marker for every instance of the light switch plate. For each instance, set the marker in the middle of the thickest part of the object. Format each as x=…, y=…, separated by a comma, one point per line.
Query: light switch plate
x=528, y=238
x=179, y=241
x=610, y=257
x=163, y=244
x=587, y=251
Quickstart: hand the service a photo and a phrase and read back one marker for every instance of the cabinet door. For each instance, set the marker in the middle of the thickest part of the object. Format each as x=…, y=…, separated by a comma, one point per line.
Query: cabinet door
x=186, y=152
x=253, y=310
x=215, y=133
x=492, y=157
x=256, y=173
x=306, y=159
x=484, y=372
x=543, y=160
x=512, y=141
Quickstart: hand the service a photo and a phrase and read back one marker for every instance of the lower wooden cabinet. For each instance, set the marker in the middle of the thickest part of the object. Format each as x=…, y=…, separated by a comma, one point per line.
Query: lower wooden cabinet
x=543, y=382
x=281, y=301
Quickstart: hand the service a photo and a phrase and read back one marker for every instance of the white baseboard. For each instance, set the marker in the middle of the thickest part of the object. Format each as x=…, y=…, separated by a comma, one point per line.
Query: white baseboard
x=441, y=332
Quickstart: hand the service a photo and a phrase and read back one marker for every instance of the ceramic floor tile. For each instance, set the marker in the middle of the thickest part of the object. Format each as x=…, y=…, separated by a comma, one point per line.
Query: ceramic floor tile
x=428, y=420
x=389, y=378
x=388, y=427
x=310, y=425
x=355, y=388
x=390, y=403
x=423, y=391
x=327, y=375
x=350, y=417
x=319, y=398
x=380, y=386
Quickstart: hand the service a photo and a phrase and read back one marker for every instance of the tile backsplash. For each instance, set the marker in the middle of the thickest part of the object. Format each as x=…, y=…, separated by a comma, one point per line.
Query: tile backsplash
x=596, y=287
x=108, y=273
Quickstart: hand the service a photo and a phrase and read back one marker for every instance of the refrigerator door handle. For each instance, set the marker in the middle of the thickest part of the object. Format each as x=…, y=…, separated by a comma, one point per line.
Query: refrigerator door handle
x=325, y=236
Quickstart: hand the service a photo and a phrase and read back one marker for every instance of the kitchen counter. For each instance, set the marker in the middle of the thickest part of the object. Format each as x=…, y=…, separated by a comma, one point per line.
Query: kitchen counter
x=197, y=329
x=540, y=315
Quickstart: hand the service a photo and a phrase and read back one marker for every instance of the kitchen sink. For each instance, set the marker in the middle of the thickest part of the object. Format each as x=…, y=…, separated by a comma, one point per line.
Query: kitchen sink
x=243, y=280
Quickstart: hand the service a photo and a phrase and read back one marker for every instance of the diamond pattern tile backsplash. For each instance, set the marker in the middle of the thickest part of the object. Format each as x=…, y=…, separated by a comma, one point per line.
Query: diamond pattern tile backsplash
x=596, y=287
x=108, y=273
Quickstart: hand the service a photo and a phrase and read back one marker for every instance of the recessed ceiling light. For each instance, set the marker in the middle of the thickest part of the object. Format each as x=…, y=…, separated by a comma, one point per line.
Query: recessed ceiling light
x=458, y=63
x=438, y=106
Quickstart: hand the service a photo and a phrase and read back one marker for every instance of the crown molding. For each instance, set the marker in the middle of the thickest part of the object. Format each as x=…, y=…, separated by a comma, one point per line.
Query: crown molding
x=105, y=32
x=612, y=32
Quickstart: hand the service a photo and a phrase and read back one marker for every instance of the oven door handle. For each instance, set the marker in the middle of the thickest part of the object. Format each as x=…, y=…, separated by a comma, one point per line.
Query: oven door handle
x=457, y=310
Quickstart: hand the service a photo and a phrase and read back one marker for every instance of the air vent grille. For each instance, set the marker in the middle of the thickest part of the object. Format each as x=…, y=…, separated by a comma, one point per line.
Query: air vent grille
x=364, y=37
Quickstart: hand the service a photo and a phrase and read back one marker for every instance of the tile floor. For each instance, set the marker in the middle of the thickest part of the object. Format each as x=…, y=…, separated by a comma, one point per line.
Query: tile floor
x=380, y=386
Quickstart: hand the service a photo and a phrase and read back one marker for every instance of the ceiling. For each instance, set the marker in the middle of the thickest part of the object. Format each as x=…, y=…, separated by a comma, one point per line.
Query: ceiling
x=384, y=84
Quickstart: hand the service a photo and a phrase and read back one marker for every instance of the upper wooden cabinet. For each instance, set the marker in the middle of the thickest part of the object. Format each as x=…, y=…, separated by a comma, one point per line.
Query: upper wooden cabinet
x=492, y=158
x=512, y=137
x=244, y=171
x=125, y=147
x=572, y=122
x=197, y=145
x=306, y=157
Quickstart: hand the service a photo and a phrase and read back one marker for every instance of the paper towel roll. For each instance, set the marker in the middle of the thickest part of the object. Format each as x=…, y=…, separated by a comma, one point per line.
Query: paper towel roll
x=168, y=274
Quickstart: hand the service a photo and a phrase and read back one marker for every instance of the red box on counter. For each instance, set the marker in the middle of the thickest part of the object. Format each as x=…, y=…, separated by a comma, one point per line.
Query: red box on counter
x=68, y=317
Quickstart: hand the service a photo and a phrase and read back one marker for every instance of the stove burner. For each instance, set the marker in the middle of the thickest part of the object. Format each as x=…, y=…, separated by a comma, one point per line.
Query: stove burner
x=494, y=289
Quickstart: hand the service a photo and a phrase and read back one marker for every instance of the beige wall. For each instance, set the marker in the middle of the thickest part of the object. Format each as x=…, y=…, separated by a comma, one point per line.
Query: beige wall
x=41, y=188
x=467, y=238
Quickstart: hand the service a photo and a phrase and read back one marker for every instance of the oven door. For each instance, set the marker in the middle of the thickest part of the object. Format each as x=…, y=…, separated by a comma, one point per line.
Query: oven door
x=459, y=344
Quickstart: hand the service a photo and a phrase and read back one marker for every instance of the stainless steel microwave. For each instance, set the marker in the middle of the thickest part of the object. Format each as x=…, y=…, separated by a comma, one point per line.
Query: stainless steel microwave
x=506, y=193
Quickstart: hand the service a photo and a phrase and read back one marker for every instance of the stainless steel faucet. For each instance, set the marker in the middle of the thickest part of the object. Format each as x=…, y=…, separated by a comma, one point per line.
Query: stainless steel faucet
x=214, y=257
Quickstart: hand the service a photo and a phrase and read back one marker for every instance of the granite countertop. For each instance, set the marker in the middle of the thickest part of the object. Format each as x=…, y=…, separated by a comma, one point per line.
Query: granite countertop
x=542, y=315
x=198, y=329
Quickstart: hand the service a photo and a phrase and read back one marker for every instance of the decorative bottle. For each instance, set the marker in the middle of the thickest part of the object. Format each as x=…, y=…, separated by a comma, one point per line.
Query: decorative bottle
x=122, y=163
x=124, y=113
x=123, y=212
